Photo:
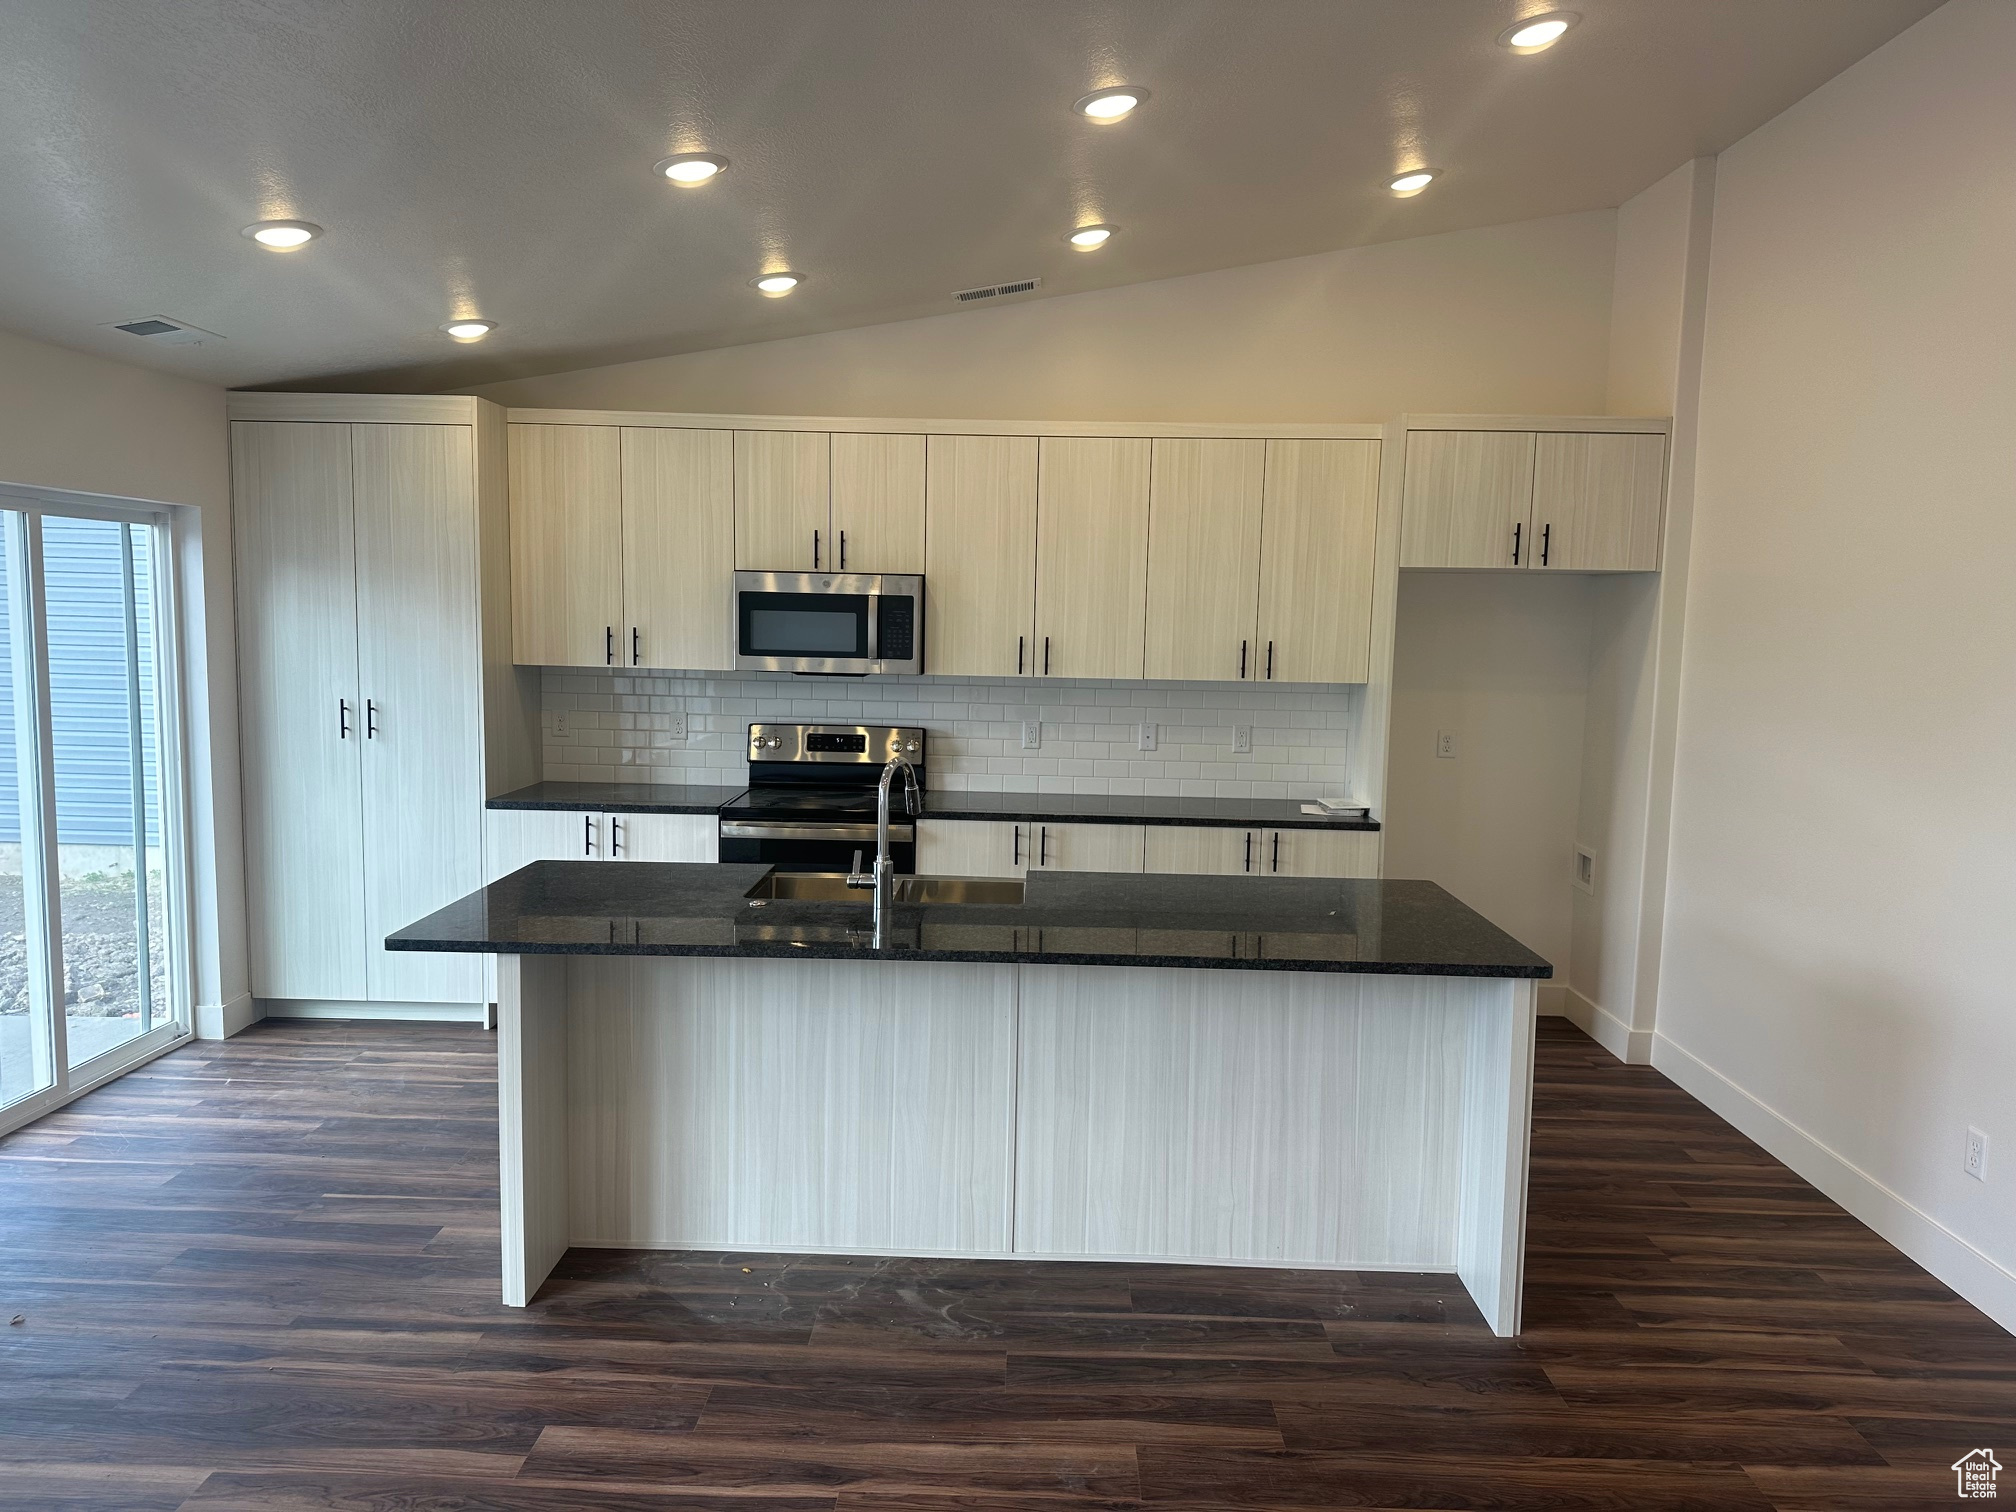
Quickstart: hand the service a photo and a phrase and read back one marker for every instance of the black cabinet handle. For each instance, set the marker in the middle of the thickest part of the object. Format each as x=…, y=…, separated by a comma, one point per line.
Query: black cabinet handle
x=1546, y=542
x=1518, y=528
x=1249, y=850
x=1270, y=661
x=1242, y=659
x=609, y=645
x=1046, y=656
x=843, y=551
x=1043, y=845
x=587, y=834
x=1277, y=851
x=815, y=551
x=1015, y=857
x=342, y=719
x=615, y=836
x=1018, y=653
x=370, y=719
x=636, y=646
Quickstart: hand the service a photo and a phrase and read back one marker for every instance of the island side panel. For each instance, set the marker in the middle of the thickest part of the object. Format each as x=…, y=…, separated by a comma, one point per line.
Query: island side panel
x=1279, y=1118
x=792, y=1104
x=532, y=1135
x=1497, y=1140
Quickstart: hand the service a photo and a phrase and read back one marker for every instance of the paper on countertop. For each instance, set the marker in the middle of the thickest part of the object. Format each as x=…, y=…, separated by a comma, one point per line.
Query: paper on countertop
x=1328, y=808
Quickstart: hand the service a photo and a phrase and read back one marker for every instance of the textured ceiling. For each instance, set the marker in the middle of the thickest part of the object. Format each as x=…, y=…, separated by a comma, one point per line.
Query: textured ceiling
x=494, y=157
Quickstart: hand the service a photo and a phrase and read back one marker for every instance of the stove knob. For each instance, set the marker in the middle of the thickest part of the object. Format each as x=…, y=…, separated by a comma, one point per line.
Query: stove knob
x=910, y=746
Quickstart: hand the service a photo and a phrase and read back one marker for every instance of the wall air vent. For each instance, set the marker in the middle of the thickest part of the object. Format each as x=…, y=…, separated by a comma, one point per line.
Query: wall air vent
x=162, y=331
x=995, y=291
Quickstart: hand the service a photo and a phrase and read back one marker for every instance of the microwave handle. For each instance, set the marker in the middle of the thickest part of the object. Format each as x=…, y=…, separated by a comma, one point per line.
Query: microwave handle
x=874, y=627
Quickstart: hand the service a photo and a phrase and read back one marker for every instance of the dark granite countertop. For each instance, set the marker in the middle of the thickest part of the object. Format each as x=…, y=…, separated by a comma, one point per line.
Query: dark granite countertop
x=1066, y=918
x=1024, y=808
x=618, y=797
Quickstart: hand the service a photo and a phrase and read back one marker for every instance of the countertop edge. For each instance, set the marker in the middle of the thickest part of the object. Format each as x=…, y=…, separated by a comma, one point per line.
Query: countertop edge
x=1031, y=812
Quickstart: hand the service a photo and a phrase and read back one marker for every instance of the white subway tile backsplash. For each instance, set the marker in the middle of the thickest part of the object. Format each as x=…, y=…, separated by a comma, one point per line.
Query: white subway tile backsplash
x=617, y=724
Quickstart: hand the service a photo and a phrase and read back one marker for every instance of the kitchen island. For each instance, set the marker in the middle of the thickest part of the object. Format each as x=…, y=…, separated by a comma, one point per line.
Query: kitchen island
x=1245, y=1070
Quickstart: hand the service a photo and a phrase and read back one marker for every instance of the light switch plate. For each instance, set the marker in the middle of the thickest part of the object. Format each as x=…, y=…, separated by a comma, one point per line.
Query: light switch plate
x=1144, y=737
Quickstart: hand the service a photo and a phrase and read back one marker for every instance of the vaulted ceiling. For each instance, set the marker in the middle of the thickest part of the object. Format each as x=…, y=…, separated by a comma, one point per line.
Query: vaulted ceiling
x=494, y=157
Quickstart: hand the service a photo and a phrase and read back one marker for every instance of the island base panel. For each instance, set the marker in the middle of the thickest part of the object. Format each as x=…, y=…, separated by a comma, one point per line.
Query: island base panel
x=1319, y=1120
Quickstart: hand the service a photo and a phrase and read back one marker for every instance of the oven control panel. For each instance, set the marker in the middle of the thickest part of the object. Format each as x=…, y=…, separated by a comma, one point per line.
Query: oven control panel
x=853, y=745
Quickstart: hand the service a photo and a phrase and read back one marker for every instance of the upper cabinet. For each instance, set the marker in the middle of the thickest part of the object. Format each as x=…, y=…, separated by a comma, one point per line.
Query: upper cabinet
x=878, y=503
x=784, y=502
x=980, y=555
x=1560, y=500
x=1204, y=559
x=1091, y=557
x=1319, y=523
x=623, y=546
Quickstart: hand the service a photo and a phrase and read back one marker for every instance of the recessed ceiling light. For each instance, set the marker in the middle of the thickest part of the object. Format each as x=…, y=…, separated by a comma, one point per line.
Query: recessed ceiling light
x=777, y=285
x=470, y=330
x=1090, y=238
x=1109, y=105
x=1537, y=33
x=690, y=168
x=1410, y=184
x=282, y=235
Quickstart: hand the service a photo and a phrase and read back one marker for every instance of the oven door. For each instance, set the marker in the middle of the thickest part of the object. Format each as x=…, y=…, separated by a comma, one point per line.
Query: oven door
x=833, y=623
x=811, y=846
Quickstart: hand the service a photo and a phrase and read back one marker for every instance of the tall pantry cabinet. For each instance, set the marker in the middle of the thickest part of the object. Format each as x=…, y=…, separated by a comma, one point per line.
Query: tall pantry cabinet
x=377, y=702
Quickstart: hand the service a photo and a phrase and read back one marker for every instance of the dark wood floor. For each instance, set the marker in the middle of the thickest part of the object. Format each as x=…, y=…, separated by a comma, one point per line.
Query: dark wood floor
x=261, y=1275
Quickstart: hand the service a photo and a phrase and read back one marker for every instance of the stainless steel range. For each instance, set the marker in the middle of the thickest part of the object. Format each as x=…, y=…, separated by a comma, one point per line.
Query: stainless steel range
x=810, y=806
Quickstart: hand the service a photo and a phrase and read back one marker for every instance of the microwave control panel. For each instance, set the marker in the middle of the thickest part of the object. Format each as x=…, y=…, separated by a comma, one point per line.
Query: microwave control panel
x=896, y=628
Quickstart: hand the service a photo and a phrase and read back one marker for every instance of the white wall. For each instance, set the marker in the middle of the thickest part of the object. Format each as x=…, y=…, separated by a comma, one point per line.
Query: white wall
x=1508, y=318
x=70, y=423
x=1841, y=922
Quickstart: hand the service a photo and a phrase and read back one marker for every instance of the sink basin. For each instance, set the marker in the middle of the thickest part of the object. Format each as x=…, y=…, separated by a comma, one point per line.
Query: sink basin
x=831, y=887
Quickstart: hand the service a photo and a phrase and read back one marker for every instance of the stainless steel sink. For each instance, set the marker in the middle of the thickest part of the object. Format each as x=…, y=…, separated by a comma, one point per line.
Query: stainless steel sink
x=831, y=887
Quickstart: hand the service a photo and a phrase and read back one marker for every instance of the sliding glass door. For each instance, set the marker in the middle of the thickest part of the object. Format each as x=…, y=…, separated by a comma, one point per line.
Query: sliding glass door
x=93, y=966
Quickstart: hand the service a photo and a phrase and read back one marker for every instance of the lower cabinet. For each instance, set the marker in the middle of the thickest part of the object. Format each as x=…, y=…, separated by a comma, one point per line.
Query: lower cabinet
x=1192, y=850
x=518, y=837
x=988, y=848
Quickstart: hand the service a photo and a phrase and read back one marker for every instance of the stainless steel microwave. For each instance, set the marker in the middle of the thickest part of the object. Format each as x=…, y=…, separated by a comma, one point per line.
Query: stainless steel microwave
x=831, y=622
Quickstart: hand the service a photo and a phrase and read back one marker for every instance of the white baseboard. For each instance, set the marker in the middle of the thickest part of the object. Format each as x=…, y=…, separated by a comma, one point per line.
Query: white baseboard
x=1552, y=1000
x=1632, y=1046
x=219, y=1021
x=424, y=1013
x=1977, y=1277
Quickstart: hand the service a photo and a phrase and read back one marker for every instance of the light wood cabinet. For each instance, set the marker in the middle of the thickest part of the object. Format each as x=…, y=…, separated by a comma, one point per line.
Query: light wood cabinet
x=878, y=503
x=1321, y=853
x=1467, y=499
x=1204, y=559
x=677, y=549
x=1319, y=523
x=364, y=653
x=1083, y=847
x=1546, y=501
x=1193, y=850
x=1091, y=556
x=662, y=837
x=980, y=556
x=969, y=848
x=566, y=560
x=784, y=502
x=1260, y=851
x=1597, y=502
x=515, y=838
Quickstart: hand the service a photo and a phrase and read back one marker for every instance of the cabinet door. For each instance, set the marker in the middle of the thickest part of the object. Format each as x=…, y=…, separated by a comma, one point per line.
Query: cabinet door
x=517, y=837
x=980, y=556
x=662, y=837
x=878, y=503
x=783, y=501
x=566, y=544
x=1192, y=850
x=1596, y=502
x=970, y=848
x=678, y=549
x=1317, y=534
x=1321, y=853
x=419, y=651
x=1204, y=559
x=1083, y=847
x=1091, y=557
x=1467, y=499
x=297, y=693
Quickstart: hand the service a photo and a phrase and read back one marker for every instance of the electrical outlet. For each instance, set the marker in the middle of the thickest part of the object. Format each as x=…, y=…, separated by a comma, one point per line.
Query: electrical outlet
x=1976, y=1163
x=1144, y=738
x=674, y=732
x=1585, y=868
x=556, y=723
x=1445, y=744
x=1242, y=738
x=1032, y=735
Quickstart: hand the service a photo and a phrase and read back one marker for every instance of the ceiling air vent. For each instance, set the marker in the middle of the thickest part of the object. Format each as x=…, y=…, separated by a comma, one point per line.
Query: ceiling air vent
x=995, y=291
x=162, y=331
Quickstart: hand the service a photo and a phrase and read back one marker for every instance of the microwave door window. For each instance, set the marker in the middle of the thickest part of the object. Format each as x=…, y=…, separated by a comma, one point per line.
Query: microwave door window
x=809, y=625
